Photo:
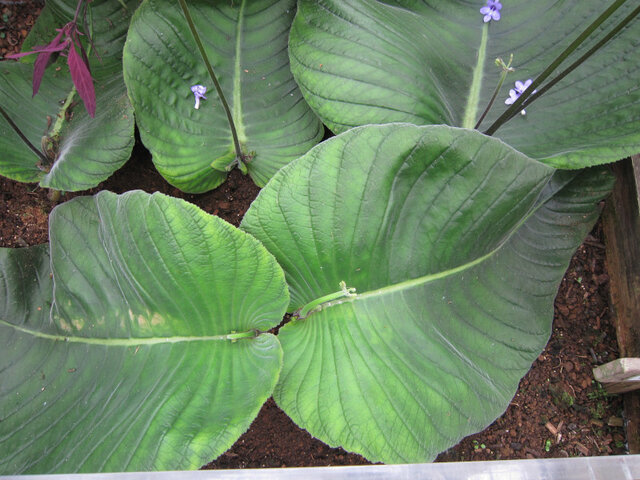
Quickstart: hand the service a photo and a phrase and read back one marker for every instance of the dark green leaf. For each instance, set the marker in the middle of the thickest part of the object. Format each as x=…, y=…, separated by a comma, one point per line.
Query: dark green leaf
x=432, y=62
x=246, y=42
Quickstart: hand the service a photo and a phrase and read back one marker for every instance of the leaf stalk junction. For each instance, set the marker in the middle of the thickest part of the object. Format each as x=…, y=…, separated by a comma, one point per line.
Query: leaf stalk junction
x=318, y=303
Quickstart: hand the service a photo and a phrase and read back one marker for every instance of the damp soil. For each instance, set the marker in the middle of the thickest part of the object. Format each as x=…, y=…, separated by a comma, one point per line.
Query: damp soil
x=558, y=410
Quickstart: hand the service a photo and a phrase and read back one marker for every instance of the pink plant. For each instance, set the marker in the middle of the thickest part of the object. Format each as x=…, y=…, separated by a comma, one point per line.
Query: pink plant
x=68, y=43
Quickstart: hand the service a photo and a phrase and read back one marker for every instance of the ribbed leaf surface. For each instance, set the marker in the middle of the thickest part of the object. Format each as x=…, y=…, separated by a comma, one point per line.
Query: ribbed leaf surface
x=432, y=62
x=246, y=42
x=455, y=244
x=135, y=366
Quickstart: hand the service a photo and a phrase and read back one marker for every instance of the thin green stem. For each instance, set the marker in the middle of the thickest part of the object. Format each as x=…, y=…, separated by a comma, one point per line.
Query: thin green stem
x=205, y=58
x=237, y=85
x=43, y=159
x=518, y=104
x=55, y=131
x=506, y=68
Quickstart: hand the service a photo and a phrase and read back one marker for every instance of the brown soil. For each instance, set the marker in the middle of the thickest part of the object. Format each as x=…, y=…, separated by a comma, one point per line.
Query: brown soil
x=558, y=410
x=24, y=208
x=16, y=19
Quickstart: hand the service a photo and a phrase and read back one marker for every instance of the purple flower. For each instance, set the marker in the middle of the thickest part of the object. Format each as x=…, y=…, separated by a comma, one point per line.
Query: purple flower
x=515, y=93
x=199, y=91
x=491, y=11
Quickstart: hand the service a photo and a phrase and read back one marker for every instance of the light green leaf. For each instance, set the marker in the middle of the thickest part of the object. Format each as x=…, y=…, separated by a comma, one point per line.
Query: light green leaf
x=455, y=244
x=134, y=366
x=361, y=62
x=88, y=149
x=246, y=42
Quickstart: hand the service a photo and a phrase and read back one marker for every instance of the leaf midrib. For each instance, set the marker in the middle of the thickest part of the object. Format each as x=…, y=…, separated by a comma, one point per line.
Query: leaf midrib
x=131, y=342
x=237, y=77
x=406, y=284
x=396, y=287
x=471, y=108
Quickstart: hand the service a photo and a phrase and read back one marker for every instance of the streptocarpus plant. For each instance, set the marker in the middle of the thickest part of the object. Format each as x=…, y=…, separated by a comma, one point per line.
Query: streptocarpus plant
x=421, y=262
x=246, y=44
x=139, y=338
x=452, y=257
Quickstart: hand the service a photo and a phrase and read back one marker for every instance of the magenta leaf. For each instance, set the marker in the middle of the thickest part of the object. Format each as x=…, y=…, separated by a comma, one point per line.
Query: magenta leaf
x=56, y=45
x=15, y=56
x=85, y=58
x=41, y=63
x=38, y=70
x=44, y=54
x=39, y=49
x=78, y=62
x=81, y=78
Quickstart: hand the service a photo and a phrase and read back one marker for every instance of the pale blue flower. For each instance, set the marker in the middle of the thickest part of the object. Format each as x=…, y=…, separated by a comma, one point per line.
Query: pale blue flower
x=491, y=11
x=515, y=93
x=199, y=91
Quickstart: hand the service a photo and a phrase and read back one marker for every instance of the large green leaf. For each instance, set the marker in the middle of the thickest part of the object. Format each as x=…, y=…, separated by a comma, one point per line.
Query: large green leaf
x=134, y=366
x=246, y=42
x=455, y=244
x=89, y=149
x=432, y=62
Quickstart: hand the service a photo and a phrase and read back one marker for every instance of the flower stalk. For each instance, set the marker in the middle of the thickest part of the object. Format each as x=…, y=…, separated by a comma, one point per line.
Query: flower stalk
x=528, y=96
x=585, y=56
x=214, y=79
x=506, y=69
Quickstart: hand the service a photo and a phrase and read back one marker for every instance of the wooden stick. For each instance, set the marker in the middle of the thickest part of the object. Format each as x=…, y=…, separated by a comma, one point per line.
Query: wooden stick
x=621, y=222
x=621, y=375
